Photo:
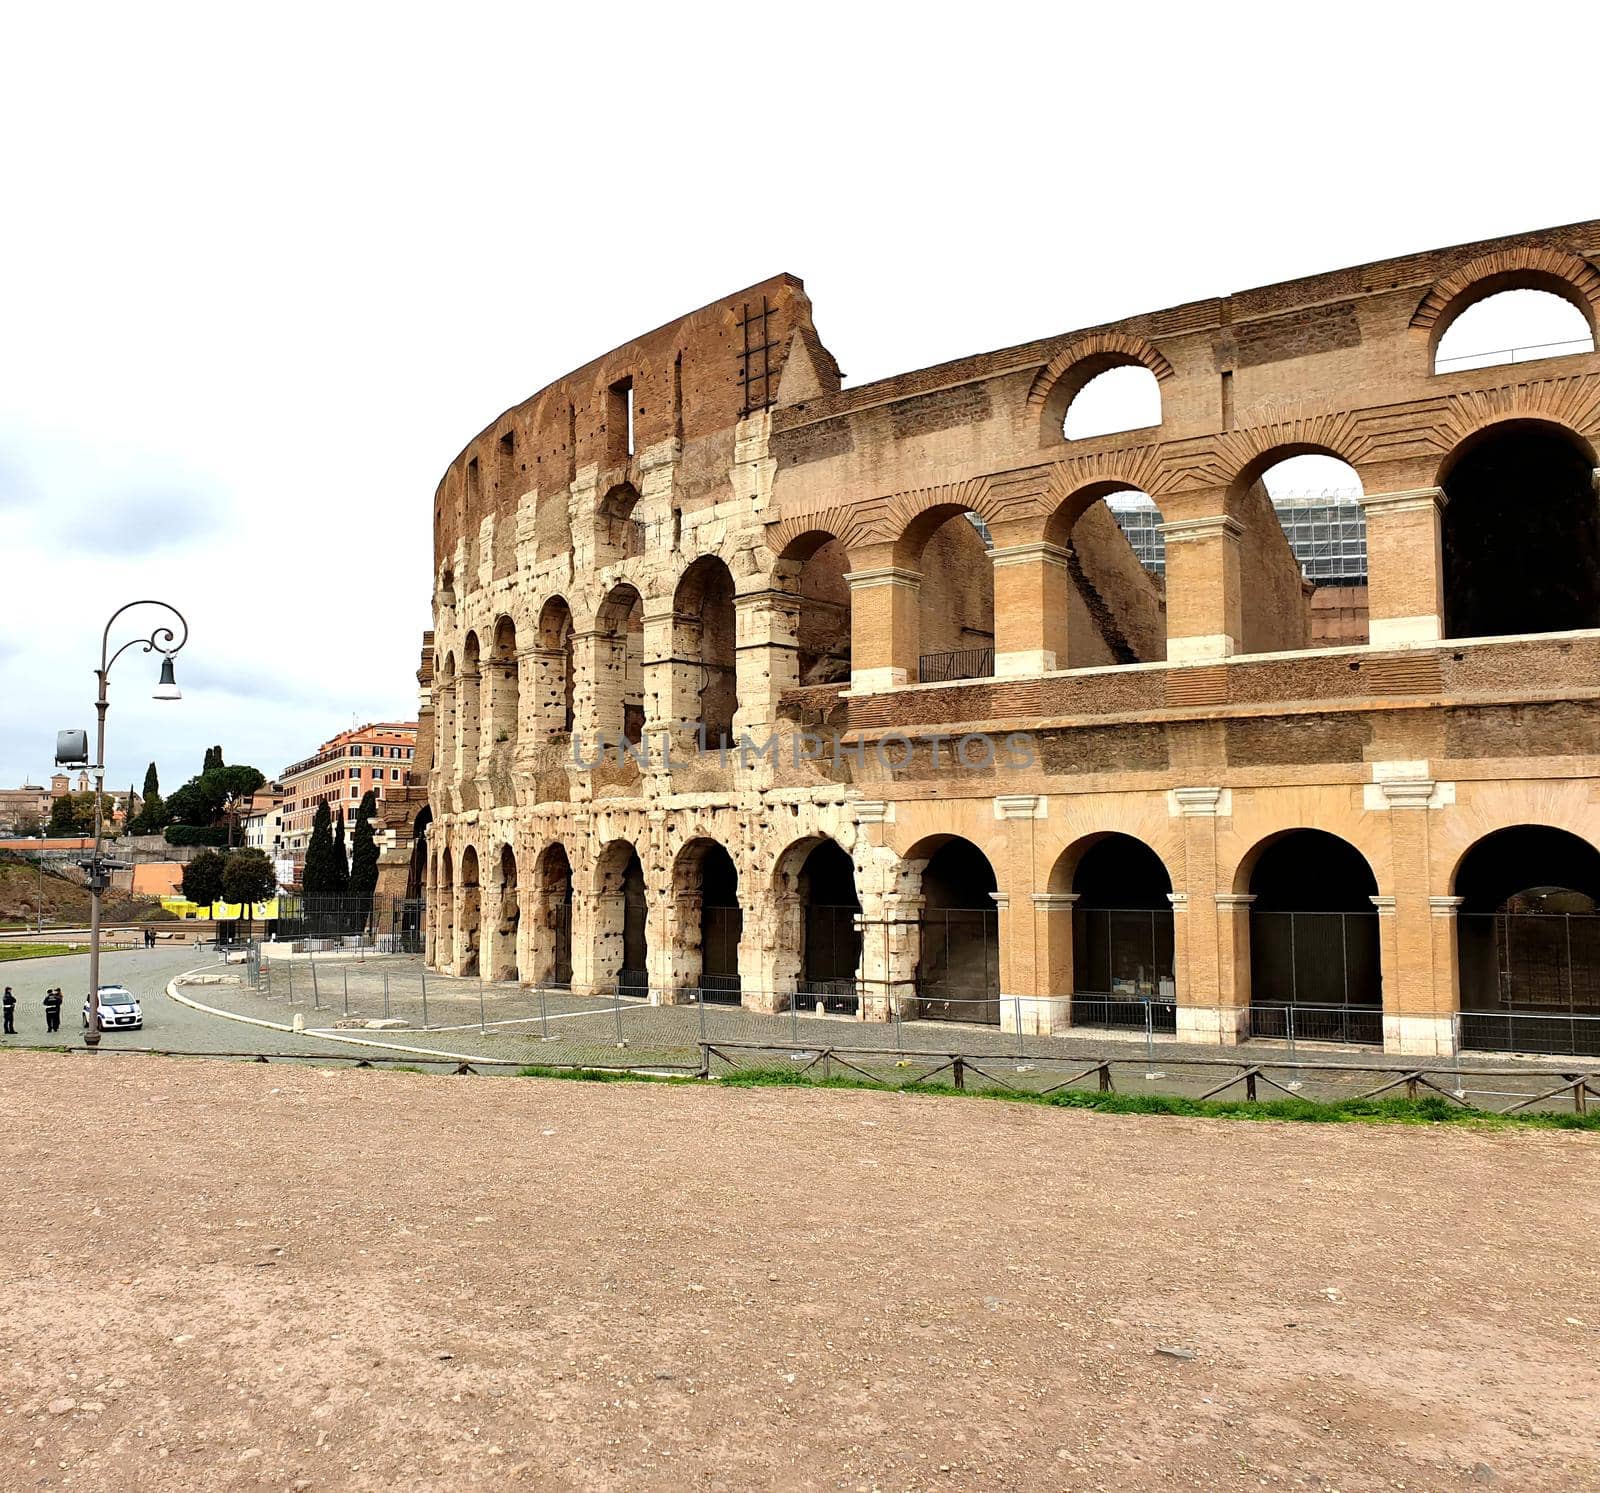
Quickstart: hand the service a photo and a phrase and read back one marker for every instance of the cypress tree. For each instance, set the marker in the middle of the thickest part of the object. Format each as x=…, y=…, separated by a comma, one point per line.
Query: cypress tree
x=315, y=876
x=339, y=875
x=364, y=857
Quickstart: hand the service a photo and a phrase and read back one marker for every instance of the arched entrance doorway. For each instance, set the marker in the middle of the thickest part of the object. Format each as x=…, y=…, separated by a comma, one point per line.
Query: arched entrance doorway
x=1122, y=944
x=958, y=971
x=413, y=910
x=503, y=954
x=1314, y=940
x=710, y=922
x=553, y=952
x=1528, y=942
x=830, y=950
x=622, y=954
x=471, y=913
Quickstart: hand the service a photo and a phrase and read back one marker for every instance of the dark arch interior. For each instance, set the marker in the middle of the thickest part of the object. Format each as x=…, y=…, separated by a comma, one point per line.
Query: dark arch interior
x=1122, y=945
x=1528, y=940
x=555, y=891
x=634, y=976
x=1314, y=939
x=958, y=975
x=832, y=950
x=721, y=922
x=1521, y=536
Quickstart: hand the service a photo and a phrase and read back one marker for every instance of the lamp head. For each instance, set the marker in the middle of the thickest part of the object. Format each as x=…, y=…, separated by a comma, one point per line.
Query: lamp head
x=167, y=686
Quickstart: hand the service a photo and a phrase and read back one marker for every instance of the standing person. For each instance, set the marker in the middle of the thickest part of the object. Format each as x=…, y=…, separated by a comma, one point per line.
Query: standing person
x=11, y=1013
x=52, y=1010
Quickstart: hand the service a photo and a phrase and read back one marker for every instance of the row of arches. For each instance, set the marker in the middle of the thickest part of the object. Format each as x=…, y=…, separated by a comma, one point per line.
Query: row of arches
x=1111, y=391
x=1526, y=898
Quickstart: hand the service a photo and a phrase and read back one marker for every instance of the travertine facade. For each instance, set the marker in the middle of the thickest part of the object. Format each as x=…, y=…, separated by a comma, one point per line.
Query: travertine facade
x=703, y=526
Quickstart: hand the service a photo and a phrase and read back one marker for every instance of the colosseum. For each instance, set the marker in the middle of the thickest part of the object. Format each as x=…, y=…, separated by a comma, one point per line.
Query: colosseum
x=930, y=697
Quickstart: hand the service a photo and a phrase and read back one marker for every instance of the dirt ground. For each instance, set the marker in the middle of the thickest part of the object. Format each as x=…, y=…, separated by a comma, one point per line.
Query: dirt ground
x=226, y=1275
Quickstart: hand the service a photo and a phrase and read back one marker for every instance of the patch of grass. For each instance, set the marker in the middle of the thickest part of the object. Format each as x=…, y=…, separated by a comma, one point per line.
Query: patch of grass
x=1433, y=1110
x=38, y=950
x=601, y=1075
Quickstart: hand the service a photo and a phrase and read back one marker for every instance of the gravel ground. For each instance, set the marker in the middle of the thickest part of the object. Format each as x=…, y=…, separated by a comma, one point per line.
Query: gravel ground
x=291, y=1277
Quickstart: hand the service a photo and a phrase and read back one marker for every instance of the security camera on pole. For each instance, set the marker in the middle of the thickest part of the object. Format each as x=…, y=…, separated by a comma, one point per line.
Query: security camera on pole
x=72, y=750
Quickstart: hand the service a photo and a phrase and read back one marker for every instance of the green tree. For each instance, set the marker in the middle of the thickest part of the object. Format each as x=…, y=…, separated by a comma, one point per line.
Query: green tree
x=73, y=814
x=213, y=759
x=247, y=878
x=202, y=878
x=152, y=783
x=153, y=816
x=341, y=859
x=315, y=875
x=364, y=858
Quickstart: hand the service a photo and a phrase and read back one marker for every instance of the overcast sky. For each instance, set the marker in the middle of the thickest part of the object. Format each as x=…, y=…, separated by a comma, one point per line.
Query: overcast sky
x=265, y=270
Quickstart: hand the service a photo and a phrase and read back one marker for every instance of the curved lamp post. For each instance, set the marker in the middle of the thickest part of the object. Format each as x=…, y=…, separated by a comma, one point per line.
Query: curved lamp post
x=165, y=641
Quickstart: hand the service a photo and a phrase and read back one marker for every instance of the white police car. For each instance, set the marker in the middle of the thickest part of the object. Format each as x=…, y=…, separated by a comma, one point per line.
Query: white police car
x=119, y=1008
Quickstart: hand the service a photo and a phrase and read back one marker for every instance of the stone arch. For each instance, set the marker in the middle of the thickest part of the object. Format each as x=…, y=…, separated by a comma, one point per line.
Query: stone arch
x=708, y=921
x=811, y=567
x=947, y=547
x=470, y=931
x=1520, y=531
x=444, y=717
x=504, y=706
x=617, y=685
x=621, y=937
x=553, y=678
x=445, y=915
x=1060, y=381
x=1292, y=539
x=1115, y=606
x=1313, y=936
x=1575, y=280
x=704, y=644
x=620, y=530
x=505, y=916
x=958, y=966
x=469, y=717
x=552, y=946
x=816, y=929
x=1528, y=940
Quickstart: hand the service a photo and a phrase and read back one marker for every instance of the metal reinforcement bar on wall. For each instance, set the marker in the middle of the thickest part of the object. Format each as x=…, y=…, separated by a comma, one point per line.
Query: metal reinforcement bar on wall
x=1251, y=1080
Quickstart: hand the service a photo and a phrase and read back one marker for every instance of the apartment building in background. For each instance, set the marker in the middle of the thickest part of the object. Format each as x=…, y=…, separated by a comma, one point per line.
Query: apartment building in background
x=339, y=773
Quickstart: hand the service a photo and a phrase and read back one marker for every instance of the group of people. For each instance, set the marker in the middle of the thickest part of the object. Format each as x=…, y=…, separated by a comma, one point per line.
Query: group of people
x=53, y=1000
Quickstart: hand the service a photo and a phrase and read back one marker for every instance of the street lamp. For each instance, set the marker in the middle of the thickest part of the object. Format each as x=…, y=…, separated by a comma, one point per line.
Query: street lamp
x=162, y=640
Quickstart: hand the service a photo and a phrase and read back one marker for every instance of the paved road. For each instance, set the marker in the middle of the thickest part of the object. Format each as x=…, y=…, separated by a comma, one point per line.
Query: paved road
x=167, y=1024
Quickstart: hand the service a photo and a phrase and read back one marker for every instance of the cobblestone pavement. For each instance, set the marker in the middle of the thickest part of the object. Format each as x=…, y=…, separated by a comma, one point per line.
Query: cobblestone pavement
x=518, y=1024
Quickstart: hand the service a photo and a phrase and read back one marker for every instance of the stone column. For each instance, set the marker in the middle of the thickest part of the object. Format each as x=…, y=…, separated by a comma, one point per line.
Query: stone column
x=600, y=679
x=1233, y=964
x=544, y=701
x=676, y=959
x=1019, y=965
x=1418, y=1015
x=767, y=660
x=1206, y=1009
x=1032, y=587
x=891, y=943
x=1050, y=1010
x=1405, y=567
x=1204, y=619
x=883, y=627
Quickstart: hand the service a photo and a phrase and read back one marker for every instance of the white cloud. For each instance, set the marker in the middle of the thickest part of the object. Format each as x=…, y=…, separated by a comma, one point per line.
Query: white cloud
x=266, y=272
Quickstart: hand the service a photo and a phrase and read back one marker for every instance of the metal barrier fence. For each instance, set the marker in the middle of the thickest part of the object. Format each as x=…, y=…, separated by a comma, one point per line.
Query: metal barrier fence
x=360, y=987
x=959, y=663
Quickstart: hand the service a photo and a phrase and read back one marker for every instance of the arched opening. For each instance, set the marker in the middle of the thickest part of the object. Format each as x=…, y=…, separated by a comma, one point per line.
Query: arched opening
x=1521, y=534
x=471, y=913
x=1314, y=940
x=553, y=662
x=818, y=563
x=1513, y=326
x=703, y=641
x=553, y=950
x=469, y=710
x=1528, y=942
x=830, y=941
x=705, y=886
x=621, y=530
x=1303, y=555
x=1122, y=944
x=444, y=951
x=622, y=953
x=618, y=684
x=955, y=600
x=503, y=952
x=505, y=687
x=958, y=972
x=412, y=921
x=1127, y=397
x=1116, y=607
